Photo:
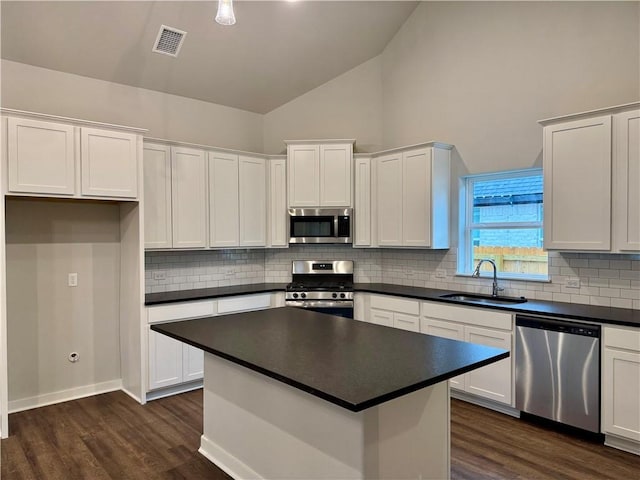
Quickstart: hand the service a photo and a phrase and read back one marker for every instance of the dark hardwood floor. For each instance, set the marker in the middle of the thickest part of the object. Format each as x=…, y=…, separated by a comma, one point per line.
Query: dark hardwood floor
x=110, y=436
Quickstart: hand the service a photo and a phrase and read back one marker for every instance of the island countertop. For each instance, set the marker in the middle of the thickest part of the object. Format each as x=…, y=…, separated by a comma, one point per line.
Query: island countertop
x=353, y=364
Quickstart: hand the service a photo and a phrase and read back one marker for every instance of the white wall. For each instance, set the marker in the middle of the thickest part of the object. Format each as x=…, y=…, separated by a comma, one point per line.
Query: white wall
x=480, y=74
x=46, y=319
x=349, y=106
x=25, y=87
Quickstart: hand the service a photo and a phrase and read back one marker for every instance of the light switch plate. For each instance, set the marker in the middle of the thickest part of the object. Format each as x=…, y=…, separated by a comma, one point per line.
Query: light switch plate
x=73, y=280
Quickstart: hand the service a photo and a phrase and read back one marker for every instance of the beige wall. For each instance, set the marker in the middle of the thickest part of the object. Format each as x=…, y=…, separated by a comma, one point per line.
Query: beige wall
x=46, y=319
x=480, y=74
x=349, y=106
x=25, y=87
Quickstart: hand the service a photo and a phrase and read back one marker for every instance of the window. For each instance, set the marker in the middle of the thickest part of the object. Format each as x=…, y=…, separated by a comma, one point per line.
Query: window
x=501, y=219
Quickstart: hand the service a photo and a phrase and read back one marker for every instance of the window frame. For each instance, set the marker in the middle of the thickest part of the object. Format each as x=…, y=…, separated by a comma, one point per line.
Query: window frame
x=467, y=225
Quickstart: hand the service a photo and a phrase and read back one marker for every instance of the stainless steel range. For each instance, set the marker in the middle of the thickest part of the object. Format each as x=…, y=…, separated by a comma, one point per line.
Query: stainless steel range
x=322, y=286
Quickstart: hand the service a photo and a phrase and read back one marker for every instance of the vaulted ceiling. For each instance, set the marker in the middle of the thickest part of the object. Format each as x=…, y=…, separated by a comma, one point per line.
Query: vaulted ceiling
x=276, y=52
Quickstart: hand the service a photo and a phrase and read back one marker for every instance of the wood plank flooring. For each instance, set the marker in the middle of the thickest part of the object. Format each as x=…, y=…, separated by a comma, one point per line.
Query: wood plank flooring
x=111, y=436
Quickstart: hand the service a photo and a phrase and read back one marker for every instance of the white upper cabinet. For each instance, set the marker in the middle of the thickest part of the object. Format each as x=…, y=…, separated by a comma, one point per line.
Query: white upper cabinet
x=223, y=200
x=389, y=199
x=277, y=235
x=252, y=199
x=157, y=195
x=363, y=219
x=303, y=163
x=592, y=180
x=188, y=197
x=41, y=157
x=320, y=174
x=336, y=166
x=626, y=182
x=55, y=156
x=238, y=200
x=577, y=184
x=411, y=190
x=109, y=163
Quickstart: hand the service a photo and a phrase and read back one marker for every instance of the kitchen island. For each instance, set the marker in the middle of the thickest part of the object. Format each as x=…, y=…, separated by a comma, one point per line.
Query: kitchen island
x=290, y=393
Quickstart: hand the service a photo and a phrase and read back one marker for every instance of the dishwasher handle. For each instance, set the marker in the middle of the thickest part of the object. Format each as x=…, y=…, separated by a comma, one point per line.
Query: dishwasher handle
x=573, y=328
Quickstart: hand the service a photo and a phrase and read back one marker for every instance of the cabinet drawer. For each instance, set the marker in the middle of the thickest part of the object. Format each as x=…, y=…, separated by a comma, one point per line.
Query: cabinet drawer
x=626, y=338
x=244, y=302
x=179, y=311
x=440, y=328
x=406, y=322
x=468, y=315
x=395, y=304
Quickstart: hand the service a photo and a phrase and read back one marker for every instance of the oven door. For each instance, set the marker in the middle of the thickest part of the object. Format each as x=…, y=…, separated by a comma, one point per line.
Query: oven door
x=337, y=308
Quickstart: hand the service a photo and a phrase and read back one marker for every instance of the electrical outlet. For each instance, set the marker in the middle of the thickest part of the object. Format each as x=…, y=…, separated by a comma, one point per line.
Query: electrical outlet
x=229, y=271
x=441, y=273
x=160, y=275
x=410, y=272
x=573, y=282
x=73, y=280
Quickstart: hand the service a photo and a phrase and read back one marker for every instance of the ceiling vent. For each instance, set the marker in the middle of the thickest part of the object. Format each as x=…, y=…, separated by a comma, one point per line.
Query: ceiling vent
x=169, y=41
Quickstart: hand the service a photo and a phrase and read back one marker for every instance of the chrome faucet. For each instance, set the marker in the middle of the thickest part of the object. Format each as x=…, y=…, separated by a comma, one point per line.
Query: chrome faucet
x=476, y=273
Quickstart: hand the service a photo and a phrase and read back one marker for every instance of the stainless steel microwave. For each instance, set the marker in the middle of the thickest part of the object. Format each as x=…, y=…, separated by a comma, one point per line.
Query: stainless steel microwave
x=320, y=225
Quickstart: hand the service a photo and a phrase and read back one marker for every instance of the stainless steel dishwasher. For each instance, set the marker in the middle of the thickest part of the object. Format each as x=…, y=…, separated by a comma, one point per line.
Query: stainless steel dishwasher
x=558, y=370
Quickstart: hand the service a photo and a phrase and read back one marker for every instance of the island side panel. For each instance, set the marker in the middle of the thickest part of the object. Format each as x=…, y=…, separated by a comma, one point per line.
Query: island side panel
x=257, y=427
x=413, y=439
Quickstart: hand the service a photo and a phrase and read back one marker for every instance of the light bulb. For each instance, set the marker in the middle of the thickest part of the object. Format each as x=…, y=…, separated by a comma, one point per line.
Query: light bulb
x=225, y=14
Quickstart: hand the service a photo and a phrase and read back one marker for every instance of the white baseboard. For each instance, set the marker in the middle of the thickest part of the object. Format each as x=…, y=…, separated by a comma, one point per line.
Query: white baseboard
x=63, y=395
x=622, y=444
x=225, y=461
x=167, y=392
x=133, y=395
x=486, y=403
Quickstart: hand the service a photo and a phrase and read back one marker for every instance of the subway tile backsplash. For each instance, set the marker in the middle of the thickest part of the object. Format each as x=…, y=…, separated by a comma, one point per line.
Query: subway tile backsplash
x=605, y=279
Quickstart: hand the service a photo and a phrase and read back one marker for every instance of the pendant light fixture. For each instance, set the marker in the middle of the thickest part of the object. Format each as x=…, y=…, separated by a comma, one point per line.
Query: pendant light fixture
x=225, y=15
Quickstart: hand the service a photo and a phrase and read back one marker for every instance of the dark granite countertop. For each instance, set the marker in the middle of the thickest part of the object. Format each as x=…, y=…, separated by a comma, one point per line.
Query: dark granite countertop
x=217, y=292
x=355, y=365
x=578, y=311
x=605, y=315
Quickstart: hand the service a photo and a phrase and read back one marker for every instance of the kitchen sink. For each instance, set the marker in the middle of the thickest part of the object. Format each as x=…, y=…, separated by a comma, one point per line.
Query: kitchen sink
x=483, y=299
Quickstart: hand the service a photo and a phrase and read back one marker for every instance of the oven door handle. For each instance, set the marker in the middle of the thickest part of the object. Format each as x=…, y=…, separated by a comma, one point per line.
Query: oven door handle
x=319, y=303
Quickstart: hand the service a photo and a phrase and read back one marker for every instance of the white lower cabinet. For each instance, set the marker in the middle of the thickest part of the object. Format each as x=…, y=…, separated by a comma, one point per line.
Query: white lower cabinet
x=192, y=363
x=381, y=317
x=452, y=330
x=483, y=327
x=394, y=312
x=172, y=362
x=475, y=325
x=177, y=365
x=621, y=388
x=165, y=361
x=492, y=381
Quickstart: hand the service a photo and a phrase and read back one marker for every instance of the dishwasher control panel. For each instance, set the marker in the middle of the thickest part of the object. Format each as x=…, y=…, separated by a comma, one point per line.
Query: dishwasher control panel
x=571, y=327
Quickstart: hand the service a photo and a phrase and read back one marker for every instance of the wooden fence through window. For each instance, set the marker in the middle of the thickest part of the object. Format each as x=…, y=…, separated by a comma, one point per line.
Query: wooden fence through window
x=531, y=260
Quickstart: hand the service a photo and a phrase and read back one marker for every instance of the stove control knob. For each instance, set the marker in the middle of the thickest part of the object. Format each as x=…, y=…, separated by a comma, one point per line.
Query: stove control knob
x=295, y=295
x=334, y=295
x=303, y=295
x=342, y=295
